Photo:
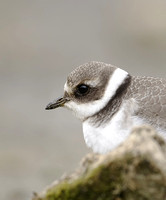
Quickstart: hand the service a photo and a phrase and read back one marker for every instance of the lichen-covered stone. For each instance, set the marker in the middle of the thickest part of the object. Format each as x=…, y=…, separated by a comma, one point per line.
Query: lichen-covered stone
x=136, y=170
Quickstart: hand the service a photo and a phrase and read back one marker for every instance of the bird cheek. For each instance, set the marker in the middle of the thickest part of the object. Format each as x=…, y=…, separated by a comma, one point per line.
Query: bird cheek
x=75, y=108
x=70, y=105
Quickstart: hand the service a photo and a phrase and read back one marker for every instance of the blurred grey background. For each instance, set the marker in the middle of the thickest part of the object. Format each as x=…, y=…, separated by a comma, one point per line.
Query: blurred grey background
x=41, y=41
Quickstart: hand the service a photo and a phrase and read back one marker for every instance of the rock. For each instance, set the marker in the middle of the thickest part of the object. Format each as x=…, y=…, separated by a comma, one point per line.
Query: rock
x=136, y=170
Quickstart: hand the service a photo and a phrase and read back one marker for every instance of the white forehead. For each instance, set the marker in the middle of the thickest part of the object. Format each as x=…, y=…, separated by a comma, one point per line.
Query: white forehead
x=67, y=88
x=93, y=83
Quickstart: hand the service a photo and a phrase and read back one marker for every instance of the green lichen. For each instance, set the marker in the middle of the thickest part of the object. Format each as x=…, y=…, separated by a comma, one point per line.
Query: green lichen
x=128, y=178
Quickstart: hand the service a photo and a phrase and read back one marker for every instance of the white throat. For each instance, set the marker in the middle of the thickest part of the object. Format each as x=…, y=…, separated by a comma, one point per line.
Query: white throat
x=103, y=139
x=85, y=110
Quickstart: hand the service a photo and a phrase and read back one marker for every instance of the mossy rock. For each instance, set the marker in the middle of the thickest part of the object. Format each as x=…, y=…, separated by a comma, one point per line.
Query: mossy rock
x=131, y=175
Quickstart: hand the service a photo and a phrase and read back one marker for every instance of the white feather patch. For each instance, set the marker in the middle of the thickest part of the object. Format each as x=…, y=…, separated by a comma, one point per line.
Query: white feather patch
x=105, y=138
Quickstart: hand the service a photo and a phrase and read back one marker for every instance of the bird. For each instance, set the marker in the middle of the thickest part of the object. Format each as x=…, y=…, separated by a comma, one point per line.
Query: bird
x=110, y=102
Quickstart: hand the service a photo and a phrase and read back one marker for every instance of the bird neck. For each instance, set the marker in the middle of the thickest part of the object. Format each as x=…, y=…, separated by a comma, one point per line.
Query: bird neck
x=113, y=105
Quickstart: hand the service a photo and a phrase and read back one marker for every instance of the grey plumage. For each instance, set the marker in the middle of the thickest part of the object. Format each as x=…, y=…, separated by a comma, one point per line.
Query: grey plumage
x=109, y=102
x=150, y=93
x=93, y=71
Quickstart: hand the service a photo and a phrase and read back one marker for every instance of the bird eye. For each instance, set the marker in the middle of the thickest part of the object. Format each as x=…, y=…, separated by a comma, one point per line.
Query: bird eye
x=82, y=89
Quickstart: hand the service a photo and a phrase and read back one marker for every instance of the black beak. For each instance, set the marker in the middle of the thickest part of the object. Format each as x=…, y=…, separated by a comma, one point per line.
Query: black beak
x=56, y=103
